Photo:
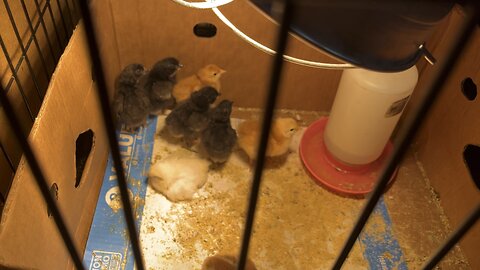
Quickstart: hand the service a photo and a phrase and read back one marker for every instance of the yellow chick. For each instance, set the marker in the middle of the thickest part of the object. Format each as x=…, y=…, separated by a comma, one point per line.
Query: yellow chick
x=209, y=75
x=281, y=134
x=225, y=262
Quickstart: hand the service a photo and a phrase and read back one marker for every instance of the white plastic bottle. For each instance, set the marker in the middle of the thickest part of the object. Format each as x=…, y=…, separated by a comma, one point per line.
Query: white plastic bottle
x=366, y=109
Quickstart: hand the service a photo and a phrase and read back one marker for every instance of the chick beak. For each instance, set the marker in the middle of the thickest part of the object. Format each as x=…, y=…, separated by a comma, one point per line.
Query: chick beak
x=179, y=66
x=222, y=71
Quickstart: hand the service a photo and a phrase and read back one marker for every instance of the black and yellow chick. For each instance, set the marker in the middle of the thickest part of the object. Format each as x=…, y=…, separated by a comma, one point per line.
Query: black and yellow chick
x=191, y=117
x=219, y=138
x=159, y=83
x=132, y=103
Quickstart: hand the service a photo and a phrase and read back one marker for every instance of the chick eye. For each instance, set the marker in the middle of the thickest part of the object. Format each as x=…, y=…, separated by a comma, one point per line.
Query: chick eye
x=214, y=74
x=292, y=129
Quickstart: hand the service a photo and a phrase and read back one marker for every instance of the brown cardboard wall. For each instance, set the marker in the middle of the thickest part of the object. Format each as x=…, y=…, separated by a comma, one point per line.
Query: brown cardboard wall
x=70, y=108
x=450, y=126
x=102, y=13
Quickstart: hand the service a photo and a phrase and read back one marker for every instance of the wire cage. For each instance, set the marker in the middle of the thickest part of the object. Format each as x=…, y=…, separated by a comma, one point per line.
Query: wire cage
x=48, y=36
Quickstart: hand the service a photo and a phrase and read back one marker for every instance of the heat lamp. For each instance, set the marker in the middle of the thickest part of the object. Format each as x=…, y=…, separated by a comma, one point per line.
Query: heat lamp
x=380, y=41
x=346, y=151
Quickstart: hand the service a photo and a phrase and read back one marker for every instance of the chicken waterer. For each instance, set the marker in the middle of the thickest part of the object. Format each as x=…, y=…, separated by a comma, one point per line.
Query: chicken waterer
x=346, y=151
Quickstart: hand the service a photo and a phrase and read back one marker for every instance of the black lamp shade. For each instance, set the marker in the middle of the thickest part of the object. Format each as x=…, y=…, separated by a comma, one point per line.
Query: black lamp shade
x=376, y=35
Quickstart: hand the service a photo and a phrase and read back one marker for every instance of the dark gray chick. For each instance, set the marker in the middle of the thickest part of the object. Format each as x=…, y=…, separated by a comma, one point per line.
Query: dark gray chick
x=131, y=104
x=159, y=84
x=219, y=138
x=191, y=117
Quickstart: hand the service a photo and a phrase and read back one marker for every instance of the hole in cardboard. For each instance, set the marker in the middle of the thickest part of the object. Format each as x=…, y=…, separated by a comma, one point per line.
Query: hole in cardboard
x=206, y=30
x=83, y=148
x=54, y=193
x=471, y=157
x=469, y=89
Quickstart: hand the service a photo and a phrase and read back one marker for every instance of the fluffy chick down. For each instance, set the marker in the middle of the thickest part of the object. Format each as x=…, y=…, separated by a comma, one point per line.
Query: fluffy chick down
x=281, y=134
x=208, y=75
x=159, y=82
x=219, y=138
x=178, y=178
x=131, y=104
x=191, y=117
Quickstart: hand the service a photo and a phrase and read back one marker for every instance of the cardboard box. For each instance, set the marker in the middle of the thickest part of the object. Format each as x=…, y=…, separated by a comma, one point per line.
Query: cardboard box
x=451, y=125
x=28, y=236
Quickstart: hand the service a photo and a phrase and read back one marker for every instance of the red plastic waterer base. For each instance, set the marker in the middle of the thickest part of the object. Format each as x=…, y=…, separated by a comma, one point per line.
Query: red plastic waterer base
x=339, y=177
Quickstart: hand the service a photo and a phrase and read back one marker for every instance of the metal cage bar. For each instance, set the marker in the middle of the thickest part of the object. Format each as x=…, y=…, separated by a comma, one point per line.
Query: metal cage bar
x=22, y=48
x=10, y=164
x=281, y=44
x=112, y=137
x=40, y=179
x=27, y=47
x=15, y=77
x=4, y=152
x=2, y=199
x=406, y=136
x=70, y=17
x=41, y=13
x=75, y=10
x=62, y=17
x=34, y=36
x=57, y=33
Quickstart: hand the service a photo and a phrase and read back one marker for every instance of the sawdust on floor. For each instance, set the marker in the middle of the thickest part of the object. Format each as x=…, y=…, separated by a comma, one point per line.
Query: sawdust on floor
x=298, y=224
x=419, y=223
